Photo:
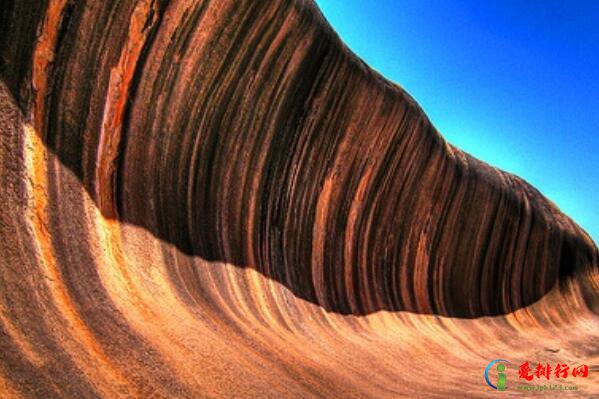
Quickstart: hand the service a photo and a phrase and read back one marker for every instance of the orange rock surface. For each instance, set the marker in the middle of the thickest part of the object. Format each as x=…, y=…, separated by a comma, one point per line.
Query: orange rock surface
x=219, y=199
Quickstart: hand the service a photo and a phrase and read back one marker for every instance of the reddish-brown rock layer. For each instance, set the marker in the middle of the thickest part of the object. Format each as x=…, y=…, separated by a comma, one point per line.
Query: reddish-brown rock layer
x=217, y=198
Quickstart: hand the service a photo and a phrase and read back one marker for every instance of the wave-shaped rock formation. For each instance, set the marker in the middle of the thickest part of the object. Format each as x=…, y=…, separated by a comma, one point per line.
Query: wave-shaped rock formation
x=218, y=199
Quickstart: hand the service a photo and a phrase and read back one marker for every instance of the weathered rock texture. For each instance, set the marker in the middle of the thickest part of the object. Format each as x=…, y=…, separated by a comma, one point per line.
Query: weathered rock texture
x=217, y=198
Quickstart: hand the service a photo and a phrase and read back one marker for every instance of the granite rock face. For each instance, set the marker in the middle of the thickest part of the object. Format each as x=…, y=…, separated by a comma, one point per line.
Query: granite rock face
x=217, y=198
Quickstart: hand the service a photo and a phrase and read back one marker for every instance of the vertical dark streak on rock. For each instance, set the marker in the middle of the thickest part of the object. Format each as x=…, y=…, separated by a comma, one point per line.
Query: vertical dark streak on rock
x=137, y=76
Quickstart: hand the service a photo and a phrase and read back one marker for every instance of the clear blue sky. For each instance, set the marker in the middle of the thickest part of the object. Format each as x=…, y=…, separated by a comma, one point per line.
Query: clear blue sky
x=514, y=83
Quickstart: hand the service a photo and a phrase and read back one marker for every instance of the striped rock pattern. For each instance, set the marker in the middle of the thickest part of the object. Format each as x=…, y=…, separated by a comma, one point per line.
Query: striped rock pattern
x=217, y=198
